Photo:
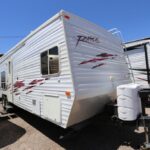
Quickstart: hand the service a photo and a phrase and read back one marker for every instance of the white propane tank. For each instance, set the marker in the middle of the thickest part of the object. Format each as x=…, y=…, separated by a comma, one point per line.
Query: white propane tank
x=128, y=102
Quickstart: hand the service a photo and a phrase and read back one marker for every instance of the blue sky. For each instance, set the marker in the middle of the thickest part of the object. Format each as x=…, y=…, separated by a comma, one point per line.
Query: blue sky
x=20, y=17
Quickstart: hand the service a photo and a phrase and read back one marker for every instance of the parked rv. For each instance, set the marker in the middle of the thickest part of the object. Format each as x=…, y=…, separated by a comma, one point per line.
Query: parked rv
x=65, y=71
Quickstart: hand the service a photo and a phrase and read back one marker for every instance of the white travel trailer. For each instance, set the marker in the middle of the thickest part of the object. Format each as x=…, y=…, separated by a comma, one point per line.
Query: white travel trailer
x=65, y=71
x=138, y=52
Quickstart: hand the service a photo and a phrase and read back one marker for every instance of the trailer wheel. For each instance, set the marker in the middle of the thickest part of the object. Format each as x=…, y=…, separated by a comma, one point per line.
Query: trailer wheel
x=4, y=102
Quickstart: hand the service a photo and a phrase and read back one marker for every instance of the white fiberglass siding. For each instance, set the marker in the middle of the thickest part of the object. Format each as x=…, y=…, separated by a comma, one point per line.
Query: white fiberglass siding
x=26, y=68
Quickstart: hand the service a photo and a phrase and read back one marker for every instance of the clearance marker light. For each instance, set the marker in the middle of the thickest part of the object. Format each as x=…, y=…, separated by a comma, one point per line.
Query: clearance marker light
x=66, y=16
x=68, y=93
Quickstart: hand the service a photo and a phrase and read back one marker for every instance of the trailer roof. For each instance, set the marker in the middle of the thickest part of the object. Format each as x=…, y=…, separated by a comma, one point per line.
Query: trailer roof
x=138, y=42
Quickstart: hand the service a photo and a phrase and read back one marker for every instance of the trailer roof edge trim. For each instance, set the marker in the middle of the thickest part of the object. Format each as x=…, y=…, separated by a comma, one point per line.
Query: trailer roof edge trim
x=138, y=42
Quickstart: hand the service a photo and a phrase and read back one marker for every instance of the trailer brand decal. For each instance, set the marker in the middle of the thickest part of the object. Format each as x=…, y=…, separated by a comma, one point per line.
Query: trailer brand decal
x=87, y=39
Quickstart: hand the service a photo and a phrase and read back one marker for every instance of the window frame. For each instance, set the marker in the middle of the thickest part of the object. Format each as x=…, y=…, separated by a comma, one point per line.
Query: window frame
x=3, y=84
x=54, y=74
x=41, y=62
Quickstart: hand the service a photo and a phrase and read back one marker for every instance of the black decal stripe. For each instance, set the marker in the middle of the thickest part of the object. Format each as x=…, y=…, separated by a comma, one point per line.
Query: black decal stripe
x=142, y=79
x=143, y=73
x=138, y=69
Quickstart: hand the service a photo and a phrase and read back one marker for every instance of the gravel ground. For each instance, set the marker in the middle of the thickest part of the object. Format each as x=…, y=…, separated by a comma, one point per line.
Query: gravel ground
x=29, y=132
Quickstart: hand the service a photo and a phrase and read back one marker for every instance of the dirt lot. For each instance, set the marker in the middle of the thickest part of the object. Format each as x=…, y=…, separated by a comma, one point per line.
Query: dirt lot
x=28, y=132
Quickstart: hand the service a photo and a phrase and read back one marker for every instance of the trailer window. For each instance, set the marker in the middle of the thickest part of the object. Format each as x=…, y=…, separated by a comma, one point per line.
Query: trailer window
x=53, y=60
x=3, y=80
x=50, y=61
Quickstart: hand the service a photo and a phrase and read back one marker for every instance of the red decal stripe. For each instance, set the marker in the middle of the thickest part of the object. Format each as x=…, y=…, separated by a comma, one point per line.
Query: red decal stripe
x=19, y=84
x=93, y=60
x=33, y=82
x=17, y=94
x=28, y=87
x=36, y=81
x=28, y=92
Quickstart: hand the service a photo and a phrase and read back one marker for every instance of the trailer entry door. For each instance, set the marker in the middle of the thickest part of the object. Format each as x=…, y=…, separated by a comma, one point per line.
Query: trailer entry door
x=10, y=81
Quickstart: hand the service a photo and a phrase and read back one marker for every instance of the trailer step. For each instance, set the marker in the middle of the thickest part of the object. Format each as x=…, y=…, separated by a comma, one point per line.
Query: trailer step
x=7, y=115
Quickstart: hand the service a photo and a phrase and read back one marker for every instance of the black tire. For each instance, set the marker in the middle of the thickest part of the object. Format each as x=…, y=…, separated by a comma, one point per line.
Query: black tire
x=4, y=102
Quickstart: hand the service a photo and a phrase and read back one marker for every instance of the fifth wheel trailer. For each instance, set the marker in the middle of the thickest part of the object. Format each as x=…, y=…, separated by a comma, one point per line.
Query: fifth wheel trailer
x=65, y=71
